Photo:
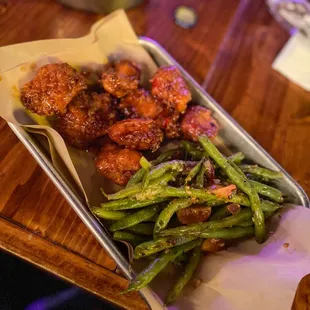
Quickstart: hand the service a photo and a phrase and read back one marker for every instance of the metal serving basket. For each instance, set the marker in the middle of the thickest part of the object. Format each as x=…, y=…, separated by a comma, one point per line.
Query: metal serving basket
x=234, y=137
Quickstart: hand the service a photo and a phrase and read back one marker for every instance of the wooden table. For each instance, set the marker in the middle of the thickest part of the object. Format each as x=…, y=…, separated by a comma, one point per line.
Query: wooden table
x=229, y=52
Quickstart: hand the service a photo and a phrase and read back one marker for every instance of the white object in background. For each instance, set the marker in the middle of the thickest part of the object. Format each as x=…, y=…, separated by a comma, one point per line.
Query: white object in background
x=294, y=60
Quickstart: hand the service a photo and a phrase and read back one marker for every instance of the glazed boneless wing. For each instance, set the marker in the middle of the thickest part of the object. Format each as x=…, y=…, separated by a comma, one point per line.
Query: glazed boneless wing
x=121, y=78
x=169, y=86
x=140, y=103
x=198, y=121
x=168, y=121
x=116, y=163
x=137, y=133
x=54, y=86
x=87, y=118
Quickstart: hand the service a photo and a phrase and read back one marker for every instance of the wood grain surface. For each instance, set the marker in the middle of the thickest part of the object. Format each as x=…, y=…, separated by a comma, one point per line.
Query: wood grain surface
x=229, y=52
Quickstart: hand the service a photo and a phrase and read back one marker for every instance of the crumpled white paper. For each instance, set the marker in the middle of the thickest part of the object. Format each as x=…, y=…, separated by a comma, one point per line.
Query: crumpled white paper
x=255, y=276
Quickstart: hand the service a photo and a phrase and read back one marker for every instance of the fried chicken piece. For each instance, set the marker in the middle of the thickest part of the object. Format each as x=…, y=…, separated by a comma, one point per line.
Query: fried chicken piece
x=88, y=116
x=169, y=86
x=52, y=89
x=121, y=78
x=137, y=133
x=194, y=214
x=198, y=121
x=116, y=163
x=168, y=121
x=140, y=103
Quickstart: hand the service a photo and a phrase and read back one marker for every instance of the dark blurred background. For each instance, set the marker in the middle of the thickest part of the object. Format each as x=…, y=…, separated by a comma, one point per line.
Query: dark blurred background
x=23, y=286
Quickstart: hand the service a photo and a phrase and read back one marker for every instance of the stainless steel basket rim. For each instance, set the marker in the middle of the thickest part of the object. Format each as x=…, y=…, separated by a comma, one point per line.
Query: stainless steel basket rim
x=80, y=207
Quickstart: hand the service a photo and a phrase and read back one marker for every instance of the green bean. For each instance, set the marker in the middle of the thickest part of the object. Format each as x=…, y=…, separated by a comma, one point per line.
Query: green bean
x=149, y=273
x=181, y=259
x=165, y=156
x=247, y=223
x=194, y=171
x=145, y=229
x=269, y=214
x=129, y=237
x=261, y=172
x=236, y=167
x=262, y=189
x=202, y=194
x=242, y=183
x=201, y=176
x=110, y=205
x=159, y=170
x=135, y=218
x=163, y=180
x=109, y=215
x=186, y=275
x=192, y=149
x=128, y=204
x=123, y=193
x=169, y=191
x=136, y=178
x=152, y=219
x=267, y=191
x=166, y=214
x=266, y=205
x=194, y=230
x=229, y=233
x=219, y=213
x=145, y=164
x=237, y=157
x=134, y=189
x=155, y=246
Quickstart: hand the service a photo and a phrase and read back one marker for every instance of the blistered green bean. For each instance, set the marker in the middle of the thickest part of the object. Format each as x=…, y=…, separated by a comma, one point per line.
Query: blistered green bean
x=166, y=214
x=145, y=229
x=185, y=276
x=129, y=237
x=109, y=215
x=242, y=183
x=266, y=205
x=128, y=204
x=145, y=164
x=165, y=156
x=159, y=170
x=136, y=178
x=228, y=233
x=135, y=218
x=194, y=171
x=219, y=213
x=149, y=273
x=201, y=176
x=126, y=192
x=267, y=191
x=155, y=246
x=237, y=157
x=195, y=230
x=261, y=172
x=134, y=189
x=169, y=191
